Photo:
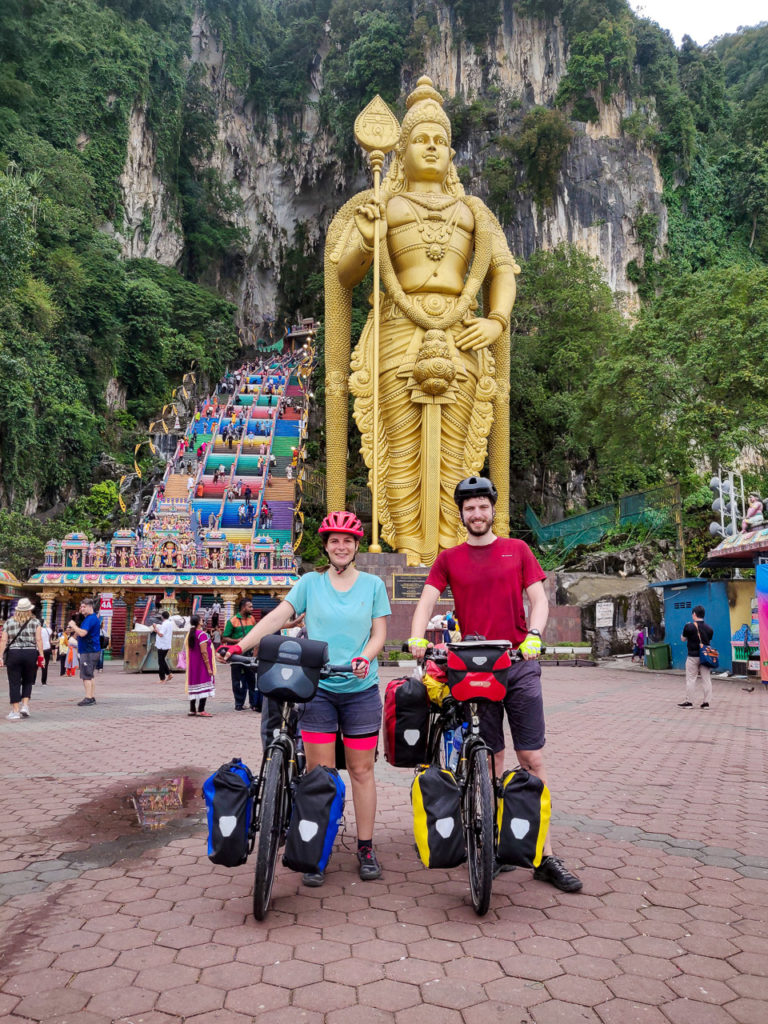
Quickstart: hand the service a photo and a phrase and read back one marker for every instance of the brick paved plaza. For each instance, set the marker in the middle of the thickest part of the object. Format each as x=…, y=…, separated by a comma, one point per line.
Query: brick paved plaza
x=661, y=810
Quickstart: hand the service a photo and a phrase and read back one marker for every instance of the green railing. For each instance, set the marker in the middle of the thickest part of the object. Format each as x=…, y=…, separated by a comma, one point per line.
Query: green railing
x=656, y=508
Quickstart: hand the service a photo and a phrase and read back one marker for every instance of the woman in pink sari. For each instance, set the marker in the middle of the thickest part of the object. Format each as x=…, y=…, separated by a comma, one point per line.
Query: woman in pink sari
x=201, y=668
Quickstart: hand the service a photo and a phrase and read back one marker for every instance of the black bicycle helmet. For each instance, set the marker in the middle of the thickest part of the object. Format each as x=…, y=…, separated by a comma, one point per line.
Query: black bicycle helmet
x=475, y=487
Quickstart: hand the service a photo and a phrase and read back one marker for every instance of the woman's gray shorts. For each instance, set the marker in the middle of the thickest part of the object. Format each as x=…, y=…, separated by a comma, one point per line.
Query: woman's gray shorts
x=358, y=714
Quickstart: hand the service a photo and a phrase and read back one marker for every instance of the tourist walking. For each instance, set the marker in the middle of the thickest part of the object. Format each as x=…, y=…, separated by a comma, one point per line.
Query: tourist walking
x=72, y=661
x=21, y=652
x=62, y=644
x=88, y=635
x=697, y=634
x=47, y=635
x=163, y=643
x=638, y=651
x=201, y=668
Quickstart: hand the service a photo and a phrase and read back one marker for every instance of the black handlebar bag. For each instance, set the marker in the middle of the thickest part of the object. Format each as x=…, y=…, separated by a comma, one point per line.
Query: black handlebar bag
x=289, y=668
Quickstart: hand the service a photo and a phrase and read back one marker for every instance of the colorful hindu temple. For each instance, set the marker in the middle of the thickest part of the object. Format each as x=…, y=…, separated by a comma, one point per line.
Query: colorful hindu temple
x=747, y=550
x=220, y=524
x=11, y=590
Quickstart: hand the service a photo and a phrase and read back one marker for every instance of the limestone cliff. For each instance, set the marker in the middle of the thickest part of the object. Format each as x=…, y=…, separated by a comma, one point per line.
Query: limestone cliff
x=291, y=175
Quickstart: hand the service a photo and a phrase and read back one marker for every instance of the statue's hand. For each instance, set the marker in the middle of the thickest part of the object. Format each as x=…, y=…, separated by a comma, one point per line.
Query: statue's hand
x=479, y=333
x=365, y=218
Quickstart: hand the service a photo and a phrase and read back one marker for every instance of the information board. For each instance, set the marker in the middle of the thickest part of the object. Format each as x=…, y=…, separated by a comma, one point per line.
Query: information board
x=604, y=614
x=407, y=586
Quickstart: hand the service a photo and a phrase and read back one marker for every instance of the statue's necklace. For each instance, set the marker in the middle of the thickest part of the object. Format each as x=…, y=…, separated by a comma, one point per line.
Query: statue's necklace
x=436, y=231
x=430, y=200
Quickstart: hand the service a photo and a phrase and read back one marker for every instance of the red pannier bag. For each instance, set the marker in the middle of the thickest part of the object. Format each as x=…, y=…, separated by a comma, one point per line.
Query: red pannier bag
x=478, y=670
x=406, y=722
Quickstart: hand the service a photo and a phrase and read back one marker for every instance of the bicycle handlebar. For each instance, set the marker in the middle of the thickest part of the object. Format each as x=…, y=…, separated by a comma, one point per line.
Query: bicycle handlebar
x=434, y=653
x=327, y=670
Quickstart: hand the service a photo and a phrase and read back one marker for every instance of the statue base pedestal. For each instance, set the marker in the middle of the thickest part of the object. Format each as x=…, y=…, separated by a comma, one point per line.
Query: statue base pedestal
x=404, y=584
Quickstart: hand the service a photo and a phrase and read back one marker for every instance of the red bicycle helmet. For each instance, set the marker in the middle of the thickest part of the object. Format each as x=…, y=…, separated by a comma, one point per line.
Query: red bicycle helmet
x=341, y=522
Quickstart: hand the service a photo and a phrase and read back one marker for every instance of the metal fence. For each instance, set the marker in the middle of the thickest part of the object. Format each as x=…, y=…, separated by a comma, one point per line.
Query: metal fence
x=656, y=508
x=314, y=490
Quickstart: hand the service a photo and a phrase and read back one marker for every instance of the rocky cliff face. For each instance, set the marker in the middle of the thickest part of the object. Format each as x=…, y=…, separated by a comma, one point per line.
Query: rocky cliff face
x=287, y=178
x=606, y=178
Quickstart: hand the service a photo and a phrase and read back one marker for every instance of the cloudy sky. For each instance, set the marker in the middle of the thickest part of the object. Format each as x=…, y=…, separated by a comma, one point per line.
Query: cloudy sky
x=702, y=20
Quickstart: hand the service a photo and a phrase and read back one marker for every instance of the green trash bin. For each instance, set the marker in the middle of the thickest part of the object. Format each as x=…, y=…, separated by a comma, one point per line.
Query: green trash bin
x=658, y=656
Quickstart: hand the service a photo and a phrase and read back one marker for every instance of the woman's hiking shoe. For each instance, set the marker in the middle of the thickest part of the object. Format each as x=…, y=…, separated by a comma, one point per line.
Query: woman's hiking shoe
x=314, y=879
x=553, y=870
x=369, y=865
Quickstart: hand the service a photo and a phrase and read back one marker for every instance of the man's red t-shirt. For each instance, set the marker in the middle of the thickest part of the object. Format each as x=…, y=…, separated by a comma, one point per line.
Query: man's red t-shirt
x=487, y=584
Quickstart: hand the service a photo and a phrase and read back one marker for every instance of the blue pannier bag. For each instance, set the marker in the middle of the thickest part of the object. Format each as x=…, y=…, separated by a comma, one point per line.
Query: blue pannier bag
x=229, y=797
x=318, y=807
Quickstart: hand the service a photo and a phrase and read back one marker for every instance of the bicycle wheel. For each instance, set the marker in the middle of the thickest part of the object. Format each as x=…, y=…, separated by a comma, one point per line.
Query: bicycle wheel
x=274, y=800
x=479, y=828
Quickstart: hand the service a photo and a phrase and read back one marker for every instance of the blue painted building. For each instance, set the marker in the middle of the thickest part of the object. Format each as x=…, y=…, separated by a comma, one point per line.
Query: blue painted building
x=680, y=598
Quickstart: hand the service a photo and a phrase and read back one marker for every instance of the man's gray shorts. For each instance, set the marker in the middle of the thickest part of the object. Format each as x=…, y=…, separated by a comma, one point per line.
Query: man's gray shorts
x=88, y=662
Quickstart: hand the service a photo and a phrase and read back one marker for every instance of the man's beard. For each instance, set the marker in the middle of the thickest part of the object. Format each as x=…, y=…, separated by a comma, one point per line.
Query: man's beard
x=480, y=531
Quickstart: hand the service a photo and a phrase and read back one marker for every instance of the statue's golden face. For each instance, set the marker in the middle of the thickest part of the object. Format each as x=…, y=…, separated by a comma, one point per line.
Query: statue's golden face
x=427, y=156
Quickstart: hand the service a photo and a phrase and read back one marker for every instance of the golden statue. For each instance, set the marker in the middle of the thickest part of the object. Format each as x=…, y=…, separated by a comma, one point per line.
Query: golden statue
x=443, y=371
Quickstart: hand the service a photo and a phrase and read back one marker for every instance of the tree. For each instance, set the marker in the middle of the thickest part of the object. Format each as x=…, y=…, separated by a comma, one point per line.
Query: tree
x=691, y=386
x=564, y=322
x=17, y=228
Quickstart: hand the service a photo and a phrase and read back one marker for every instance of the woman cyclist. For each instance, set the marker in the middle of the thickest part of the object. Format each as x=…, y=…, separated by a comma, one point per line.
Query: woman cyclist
x=348, y=610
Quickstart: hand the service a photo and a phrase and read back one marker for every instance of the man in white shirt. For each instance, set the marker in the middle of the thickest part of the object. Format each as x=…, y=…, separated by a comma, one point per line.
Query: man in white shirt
x=47, y=633
x=164, y=631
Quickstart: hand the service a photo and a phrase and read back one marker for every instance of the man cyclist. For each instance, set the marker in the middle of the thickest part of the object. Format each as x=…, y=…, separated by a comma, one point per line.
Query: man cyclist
x=488, y=576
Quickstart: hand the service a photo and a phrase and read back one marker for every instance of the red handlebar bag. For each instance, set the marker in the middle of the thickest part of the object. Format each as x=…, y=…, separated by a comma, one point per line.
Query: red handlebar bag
x=478, y=671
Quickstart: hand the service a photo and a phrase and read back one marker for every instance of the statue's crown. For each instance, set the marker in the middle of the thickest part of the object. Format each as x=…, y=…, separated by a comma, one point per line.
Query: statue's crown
x=425, y=90
x=424, y=104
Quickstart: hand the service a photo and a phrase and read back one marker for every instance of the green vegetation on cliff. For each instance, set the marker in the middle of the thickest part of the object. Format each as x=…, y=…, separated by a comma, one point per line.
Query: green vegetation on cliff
x=74, y=316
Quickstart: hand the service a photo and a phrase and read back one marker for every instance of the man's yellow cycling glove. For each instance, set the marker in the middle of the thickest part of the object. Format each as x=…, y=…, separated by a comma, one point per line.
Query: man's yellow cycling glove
x=531, y=646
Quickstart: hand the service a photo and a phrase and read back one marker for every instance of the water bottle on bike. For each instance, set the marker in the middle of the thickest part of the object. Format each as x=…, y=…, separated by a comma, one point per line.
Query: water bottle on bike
x=457, y=741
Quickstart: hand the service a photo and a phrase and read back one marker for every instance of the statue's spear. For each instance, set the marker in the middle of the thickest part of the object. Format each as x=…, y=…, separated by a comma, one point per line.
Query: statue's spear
x=377, y=131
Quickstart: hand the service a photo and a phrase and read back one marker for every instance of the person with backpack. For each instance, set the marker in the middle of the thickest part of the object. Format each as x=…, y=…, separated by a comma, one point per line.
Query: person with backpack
x=697, y=634
x=347, y=609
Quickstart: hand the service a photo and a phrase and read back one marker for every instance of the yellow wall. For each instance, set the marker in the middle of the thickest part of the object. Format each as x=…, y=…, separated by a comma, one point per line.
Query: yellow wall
x=740, y=594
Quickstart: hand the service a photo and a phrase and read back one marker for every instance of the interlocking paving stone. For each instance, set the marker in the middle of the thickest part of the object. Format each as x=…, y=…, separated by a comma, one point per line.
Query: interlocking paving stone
x=106, y=924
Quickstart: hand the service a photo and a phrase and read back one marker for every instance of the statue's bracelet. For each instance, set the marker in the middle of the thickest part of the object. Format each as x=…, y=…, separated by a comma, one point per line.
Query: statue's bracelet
x=364, y=247
x=499, y=318
x=416, y=641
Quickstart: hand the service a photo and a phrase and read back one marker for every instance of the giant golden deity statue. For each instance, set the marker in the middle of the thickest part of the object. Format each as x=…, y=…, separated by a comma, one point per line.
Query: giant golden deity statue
x=429, y=375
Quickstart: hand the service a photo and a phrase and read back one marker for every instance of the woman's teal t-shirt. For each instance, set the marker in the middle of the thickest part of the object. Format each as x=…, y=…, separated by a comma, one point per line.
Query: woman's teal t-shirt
x=342, y=620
